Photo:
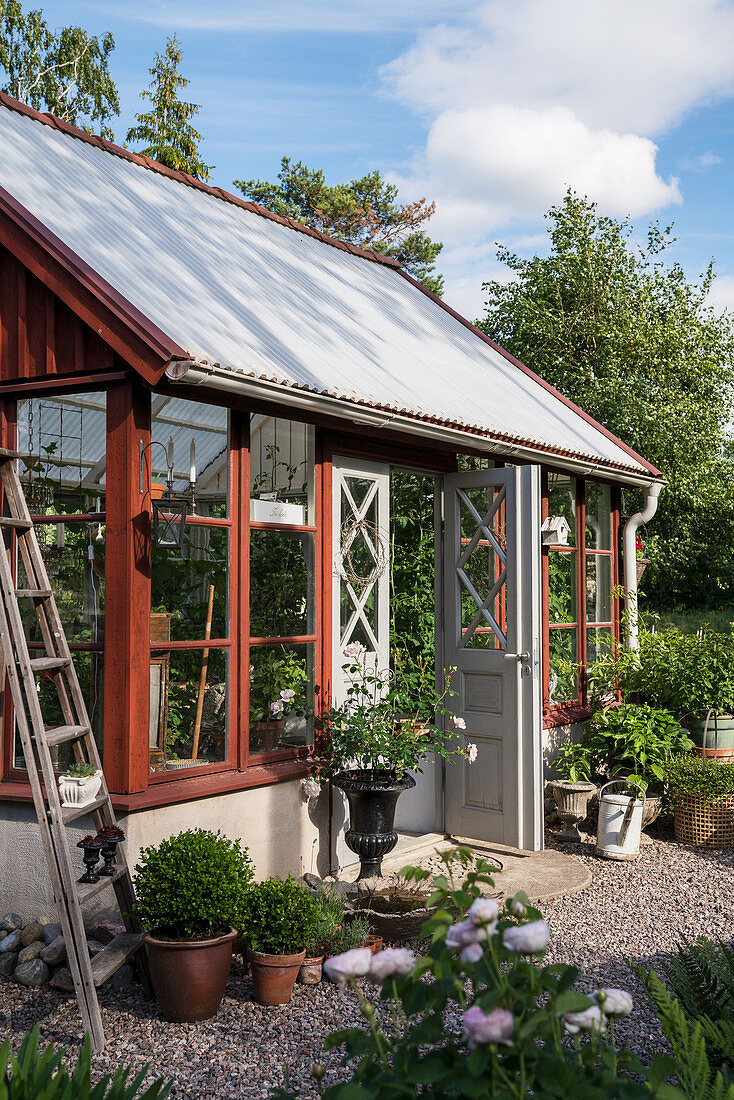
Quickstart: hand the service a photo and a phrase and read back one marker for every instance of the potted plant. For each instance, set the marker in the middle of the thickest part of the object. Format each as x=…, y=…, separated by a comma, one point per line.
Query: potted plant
x=277, y=679
x=79, y=785
x=702, y=793
x=278, y=921
x=576, y=767
x=191, y=890
x=386, y=725
x=329, y=920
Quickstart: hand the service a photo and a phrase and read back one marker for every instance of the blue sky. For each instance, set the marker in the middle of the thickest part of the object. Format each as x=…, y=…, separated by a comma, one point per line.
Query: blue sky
x=490, y=108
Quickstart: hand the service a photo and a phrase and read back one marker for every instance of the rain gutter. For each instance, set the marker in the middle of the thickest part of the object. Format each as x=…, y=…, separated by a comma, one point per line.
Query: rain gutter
x=629, y=541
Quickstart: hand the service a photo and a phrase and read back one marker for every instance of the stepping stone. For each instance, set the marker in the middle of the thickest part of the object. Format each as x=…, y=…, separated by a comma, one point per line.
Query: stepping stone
x=54, y=952
x=33, y=973
x=8, y=963
x=32, y=951
x=11, y=942
x=31, y=933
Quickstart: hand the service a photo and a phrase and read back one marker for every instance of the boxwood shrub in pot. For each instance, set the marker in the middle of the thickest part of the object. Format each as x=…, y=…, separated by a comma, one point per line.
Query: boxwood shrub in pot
x=191, y=891
x=278, y=923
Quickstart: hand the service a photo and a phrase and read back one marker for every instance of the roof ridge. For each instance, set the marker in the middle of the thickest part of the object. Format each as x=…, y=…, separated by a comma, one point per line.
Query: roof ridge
x=56, y=123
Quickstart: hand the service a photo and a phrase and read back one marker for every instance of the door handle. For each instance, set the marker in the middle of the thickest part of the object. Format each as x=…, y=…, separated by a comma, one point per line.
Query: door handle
x=517, y=656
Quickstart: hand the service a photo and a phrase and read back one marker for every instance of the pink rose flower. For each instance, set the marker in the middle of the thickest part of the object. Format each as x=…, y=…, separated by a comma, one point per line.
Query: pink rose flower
x=287, y=694
x=393, y=962
x=591, y=1019
x=527, y=939
x=276, y=707
x=463, y=933
x=459, y=723
x=484, y=911
x=482, y=1027
x=351, y=964
x=471, y=753
x=472, y=953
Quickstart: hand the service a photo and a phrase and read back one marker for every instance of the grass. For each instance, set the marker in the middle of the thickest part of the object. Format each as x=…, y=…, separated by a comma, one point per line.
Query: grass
x=691, y=621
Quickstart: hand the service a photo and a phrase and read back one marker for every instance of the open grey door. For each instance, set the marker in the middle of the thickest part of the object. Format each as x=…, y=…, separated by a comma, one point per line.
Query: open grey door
x=492, y=638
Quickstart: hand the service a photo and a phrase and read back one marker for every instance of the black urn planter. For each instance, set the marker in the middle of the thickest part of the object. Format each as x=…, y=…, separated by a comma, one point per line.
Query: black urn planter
x=371, y=834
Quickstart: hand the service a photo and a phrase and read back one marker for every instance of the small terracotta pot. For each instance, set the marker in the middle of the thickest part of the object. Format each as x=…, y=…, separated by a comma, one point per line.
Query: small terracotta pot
x=374, y=943
x=310, y=972
x=189, y=976
x=273, y=976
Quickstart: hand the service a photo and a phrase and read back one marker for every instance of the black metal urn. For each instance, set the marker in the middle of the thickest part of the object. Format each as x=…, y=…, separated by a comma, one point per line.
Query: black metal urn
x=372, y=800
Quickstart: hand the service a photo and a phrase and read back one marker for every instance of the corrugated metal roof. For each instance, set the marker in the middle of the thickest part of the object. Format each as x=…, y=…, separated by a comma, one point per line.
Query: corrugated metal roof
x=250, y=294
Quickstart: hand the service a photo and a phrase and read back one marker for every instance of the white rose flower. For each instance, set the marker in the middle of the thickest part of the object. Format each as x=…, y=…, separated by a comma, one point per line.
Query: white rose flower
x=484, y=911
x=591, y=1019
x=276, y=707
x=311, y=787
x=472, y=752
x=459, y=723
x=472, y=953
x=352, y=964
x=527, y=939
x=393, y=962
x=287, y=694
x=615, y=1002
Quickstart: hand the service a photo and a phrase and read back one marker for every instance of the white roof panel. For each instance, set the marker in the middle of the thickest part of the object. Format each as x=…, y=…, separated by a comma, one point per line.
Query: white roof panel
x=246, y=292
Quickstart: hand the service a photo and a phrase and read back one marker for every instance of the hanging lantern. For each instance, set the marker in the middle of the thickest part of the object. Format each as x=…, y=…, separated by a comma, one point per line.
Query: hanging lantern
x=169, y=522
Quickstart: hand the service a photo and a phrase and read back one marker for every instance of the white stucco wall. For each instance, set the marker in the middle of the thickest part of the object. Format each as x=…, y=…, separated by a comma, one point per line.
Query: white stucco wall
x=553, y=738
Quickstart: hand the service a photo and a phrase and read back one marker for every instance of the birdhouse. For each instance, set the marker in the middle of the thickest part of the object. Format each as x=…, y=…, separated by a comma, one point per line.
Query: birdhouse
x=555, y=531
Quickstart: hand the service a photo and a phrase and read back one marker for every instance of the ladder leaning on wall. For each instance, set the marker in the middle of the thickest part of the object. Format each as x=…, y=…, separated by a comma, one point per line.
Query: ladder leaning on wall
x=36, y=740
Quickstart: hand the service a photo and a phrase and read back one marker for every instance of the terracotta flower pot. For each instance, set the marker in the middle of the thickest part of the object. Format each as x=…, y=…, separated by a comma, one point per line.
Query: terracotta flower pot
x=189, y=976
x=374, y=943
x=273, y=976
x=310, y=971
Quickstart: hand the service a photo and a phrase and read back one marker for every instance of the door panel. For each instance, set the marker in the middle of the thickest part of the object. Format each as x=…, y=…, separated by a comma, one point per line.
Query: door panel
x=491, y=639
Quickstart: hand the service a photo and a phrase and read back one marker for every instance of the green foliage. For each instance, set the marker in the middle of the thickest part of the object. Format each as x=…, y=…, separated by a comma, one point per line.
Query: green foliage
x=575, y=763
x=279, y=918
x=701, y=977
x=694, y=1063
x=689, y=673
x=352, y=933
x=709, y=782
x=41, y=1075
x=418, y=1049
x=329, y=919
x=65, y=71
x=274, y=669
x=412, y=566
x=622, y=332
x=167, y=131
x=363, y=212
x=80, y=771
x=386, y=723
x=636, y=741
x=193, y=885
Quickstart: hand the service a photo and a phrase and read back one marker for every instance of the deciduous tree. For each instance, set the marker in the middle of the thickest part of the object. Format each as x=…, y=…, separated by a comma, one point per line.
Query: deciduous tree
x=364, y=212
x=622, y=331
x=65, y=71
x=167, y=130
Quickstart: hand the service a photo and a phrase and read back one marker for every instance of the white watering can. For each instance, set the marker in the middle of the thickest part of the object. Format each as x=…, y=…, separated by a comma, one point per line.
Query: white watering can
x=620, y=822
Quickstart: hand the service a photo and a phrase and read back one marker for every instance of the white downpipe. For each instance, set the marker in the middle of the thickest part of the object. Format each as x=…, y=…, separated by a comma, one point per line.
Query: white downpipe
x=629, y=539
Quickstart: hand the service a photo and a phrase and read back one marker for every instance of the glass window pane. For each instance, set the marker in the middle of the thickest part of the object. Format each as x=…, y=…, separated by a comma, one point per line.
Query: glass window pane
x=78, y=583
x=281, y=583
x=599, y=640
x=281, y=470
x=482, y=569
x=562, y=586
x=181, y=582
x=63, y=443
x=598, y=588
x=199, y=437
x=598, y=516
x=188, y=691
x=281, y=697
x=562, y=501
x=564, y=678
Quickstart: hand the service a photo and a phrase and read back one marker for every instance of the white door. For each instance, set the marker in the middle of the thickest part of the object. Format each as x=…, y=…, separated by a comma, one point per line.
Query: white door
x=361, y=541
x=492, y=638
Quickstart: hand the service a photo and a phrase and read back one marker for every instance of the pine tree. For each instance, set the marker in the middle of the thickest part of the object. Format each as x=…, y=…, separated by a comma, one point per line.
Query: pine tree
x=170, y=138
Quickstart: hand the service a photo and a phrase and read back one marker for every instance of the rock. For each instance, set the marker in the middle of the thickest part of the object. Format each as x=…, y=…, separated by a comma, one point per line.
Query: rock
x=32, y=973
x=32, y=951
x=94, y=947
x=370, y=885
x=8, y=963
x=63, y=980
x=51, y=932
x=31, y=933
x=106, y=931
x=313, y=882
x=345, y=889
x=122, y=978
x=54, y=952
x=10, y=922
x=11, y=942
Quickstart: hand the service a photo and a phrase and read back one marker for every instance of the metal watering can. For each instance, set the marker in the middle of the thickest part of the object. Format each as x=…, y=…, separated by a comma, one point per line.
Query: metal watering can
x=620, y=822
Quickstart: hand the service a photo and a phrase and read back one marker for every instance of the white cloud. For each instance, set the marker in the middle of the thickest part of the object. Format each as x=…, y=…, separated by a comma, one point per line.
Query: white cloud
x=701, y=163
x=721, y=295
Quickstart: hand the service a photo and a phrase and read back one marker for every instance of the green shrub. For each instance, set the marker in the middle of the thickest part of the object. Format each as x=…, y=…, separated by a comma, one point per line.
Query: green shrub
x=80, y=771
x=279, y=918
x=193, y=885
x=635, y=740
x=352, y=933
x=330, y=917
x=36, y=1075
x=687, y=775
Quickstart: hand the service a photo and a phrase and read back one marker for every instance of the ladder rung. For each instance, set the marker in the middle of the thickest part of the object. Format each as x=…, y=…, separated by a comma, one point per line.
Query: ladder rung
x=115, y=954
x=33, y=593
x=87, y=890
x=59, y=735
x=13, y=521
x=46, y=664
x=71, y=813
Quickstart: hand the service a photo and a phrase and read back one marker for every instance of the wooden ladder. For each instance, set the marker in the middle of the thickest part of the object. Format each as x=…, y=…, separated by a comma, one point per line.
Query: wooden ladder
x=21, y=670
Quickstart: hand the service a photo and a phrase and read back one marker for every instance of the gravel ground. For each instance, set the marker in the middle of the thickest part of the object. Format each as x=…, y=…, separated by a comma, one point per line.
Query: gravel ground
x=638, y=909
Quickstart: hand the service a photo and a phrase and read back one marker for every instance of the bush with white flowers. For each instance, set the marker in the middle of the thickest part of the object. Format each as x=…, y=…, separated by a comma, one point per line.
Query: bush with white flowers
x=480, y=1015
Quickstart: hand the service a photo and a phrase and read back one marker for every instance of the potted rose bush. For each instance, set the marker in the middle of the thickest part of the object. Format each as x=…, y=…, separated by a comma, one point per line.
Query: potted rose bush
x=386, y=727
x=191, y=892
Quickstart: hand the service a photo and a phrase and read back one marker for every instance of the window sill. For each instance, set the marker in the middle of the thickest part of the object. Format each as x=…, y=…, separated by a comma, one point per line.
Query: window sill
x=564, y=714
x=184, y=790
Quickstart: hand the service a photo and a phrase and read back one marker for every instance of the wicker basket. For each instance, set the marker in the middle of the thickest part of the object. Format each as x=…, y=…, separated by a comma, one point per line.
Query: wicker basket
x=642, y=564
x=702, y=825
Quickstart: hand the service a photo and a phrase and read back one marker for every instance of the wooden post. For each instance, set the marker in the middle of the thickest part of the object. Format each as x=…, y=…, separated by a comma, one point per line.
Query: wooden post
x=127, y=592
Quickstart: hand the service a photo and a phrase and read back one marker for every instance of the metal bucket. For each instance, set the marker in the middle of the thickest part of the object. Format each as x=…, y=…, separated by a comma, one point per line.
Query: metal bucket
x=620, y=822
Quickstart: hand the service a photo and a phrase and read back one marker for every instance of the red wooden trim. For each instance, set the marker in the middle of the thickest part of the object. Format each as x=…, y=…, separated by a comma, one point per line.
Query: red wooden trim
x=241, y=422
x=22, y=343
x=71, y=517
x=325, y=482
x=233, y=590
x=581, y=585
x=420, y=457
x=293, y=639
x=127, y=593
x=565, y=714
x=202, y=643
x=296, y=528
x=214, y=767
x=8, y=439
x=536, y=377
x=69, y=383
x=115, y=320
x=545, y=593
x=208, y=521
x=616, y=562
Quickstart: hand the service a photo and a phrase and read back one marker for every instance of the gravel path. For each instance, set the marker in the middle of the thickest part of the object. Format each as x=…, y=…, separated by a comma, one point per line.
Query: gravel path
x=637, y=909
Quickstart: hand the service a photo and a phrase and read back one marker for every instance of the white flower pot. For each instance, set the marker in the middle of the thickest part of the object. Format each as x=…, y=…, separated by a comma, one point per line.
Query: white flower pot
x=79, y=790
